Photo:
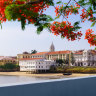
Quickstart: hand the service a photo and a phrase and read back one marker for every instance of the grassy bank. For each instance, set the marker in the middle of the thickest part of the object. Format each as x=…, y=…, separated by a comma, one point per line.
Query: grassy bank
x=81, y=70
x=75, y=69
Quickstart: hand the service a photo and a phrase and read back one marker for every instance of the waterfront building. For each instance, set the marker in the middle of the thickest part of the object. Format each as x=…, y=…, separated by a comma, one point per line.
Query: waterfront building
x=35, y=64
x=29, y=55
x=85, y=58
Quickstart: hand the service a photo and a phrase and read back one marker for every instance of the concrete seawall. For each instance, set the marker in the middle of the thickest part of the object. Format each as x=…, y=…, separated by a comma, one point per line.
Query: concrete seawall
x=72, y=87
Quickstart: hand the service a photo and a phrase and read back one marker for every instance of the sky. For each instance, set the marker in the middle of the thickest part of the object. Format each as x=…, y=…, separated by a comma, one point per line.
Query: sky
x=13, y=40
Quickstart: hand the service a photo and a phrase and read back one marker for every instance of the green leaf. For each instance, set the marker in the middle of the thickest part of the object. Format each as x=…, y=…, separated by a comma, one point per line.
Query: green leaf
x=46, y=25
x=39, y=29
x=59, y=2
x=65, y=3
x=57, y=17
x=93, y=24
x=0, y=24
x=49, y=18
x=76, y=23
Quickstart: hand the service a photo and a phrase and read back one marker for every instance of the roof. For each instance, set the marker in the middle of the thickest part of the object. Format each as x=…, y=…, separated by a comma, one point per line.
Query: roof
x=6, y=58
x=93, y=52
x=79, y=53
x=59, y=52
x=40, y=53
x=30, y=59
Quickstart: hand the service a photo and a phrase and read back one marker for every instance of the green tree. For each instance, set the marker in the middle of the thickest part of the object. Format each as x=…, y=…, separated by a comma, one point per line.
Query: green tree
x=59, y=61
x=33, y=51
x=52, y=68
x=67, y=59
x=9, y=66
x=72, y=59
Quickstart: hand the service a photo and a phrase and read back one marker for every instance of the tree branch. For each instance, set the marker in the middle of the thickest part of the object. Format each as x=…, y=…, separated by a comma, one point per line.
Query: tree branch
x=34, y=2
x=83, y=7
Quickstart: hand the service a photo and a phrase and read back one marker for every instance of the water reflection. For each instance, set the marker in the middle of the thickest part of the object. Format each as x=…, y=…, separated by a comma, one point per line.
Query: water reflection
x=18, y=79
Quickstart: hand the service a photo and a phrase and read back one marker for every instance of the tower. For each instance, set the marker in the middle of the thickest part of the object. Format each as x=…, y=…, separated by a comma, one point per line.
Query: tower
x=52, y=48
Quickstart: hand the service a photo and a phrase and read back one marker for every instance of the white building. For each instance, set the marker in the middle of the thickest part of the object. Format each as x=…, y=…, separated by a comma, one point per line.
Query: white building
x=85, y=58
x=35, y=64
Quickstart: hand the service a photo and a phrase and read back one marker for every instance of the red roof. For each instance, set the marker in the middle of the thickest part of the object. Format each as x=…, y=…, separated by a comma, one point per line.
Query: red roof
x=30, y=59
x=79, y=53
x=59, y=52
x=40, y=53
x=93, y=52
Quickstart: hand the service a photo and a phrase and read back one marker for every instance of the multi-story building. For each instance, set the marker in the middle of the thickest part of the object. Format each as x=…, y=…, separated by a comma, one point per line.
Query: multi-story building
x=28, y=61
x=85, y=58
x=51, y=55
x=7, y=59
x=58, y=55
x=81, y=57
x=35, y=64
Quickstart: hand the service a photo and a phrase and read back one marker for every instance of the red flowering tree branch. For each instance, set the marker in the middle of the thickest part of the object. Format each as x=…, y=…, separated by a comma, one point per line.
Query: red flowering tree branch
x=32, y=12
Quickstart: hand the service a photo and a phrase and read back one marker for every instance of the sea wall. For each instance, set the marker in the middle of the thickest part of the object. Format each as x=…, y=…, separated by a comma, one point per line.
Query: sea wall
x=74, y=87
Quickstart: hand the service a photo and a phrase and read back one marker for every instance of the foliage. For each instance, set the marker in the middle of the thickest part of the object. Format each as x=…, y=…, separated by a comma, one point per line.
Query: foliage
x=82, y=70
x=33, y=51
x=59, y=61
x=76, y=69
x=72, y=58
x=52, y=68
x=63, y=62
x=9, y=66
x=32, y=12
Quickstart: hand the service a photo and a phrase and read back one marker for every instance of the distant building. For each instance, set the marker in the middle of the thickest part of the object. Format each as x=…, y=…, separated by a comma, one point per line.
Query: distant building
x=58, y=55
x=51, y=55
x=85, y=58
x=81, y=57
x=7, y=59
x=35, y=64
x=36, y=55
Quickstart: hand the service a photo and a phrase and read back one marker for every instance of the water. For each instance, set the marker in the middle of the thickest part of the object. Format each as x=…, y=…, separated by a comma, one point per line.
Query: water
x=20, y=79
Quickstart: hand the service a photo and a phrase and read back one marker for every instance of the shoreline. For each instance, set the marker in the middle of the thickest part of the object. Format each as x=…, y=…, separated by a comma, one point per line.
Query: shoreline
x=52, y=75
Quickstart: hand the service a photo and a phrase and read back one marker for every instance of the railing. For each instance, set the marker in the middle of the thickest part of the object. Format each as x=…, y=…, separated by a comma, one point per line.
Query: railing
x=63, y=87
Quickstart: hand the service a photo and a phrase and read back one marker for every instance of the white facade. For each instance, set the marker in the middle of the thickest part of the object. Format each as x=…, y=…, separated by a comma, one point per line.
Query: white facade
x=85, y=58
x=35, y=64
